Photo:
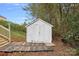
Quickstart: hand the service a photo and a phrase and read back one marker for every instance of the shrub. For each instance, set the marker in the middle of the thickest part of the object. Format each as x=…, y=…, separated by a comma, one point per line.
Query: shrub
x=72, y=38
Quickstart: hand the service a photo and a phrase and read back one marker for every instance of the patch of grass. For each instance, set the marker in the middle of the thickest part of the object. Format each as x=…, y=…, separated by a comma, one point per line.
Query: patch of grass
x=17, y=36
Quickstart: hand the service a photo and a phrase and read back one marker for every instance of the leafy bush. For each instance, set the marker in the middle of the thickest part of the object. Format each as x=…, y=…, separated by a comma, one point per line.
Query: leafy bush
x=68, y=37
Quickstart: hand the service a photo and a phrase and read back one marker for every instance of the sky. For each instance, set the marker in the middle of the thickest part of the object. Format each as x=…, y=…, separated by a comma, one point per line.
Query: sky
x=14, y=12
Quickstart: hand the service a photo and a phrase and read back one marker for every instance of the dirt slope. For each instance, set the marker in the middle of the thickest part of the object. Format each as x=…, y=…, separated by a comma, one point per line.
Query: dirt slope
x=62, y=49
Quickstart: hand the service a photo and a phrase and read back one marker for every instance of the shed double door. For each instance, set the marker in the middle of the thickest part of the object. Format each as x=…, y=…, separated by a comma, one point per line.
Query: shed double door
x=41, y=34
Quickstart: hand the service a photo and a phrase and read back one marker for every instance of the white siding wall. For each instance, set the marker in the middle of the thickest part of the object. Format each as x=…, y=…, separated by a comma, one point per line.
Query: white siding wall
x=39, y=32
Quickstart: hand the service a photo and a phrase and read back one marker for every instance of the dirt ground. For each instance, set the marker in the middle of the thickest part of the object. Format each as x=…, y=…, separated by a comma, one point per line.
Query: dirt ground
x=60, y=49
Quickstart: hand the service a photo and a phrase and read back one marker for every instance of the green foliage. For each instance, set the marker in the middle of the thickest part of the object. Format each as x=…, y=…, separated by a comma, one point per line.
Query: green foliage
x=72, y=36
x=14, y=27
x=72, y=39
x=17, y=27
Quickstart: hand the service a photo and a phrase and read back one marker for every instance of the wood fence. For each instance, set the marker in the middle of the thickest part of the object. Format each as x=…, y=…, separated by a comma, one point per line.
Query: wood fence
x=5, y=33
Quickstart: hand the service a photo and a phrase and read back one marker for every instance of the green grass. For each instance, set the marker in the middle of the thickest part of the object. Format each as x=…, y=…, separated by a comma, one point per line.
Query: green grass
x=18, y=33
x=17, y=36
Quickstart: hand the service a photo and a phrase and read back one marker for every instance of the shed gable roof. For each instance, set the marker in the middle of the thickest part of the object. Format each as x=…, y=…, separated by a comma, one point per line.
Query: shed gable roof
x=40, y=20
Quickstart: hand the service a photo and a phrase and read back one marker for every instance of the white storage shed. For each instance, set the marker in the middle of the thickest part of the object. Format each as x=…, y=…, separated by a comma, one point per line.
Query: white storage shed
x=39, y=31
